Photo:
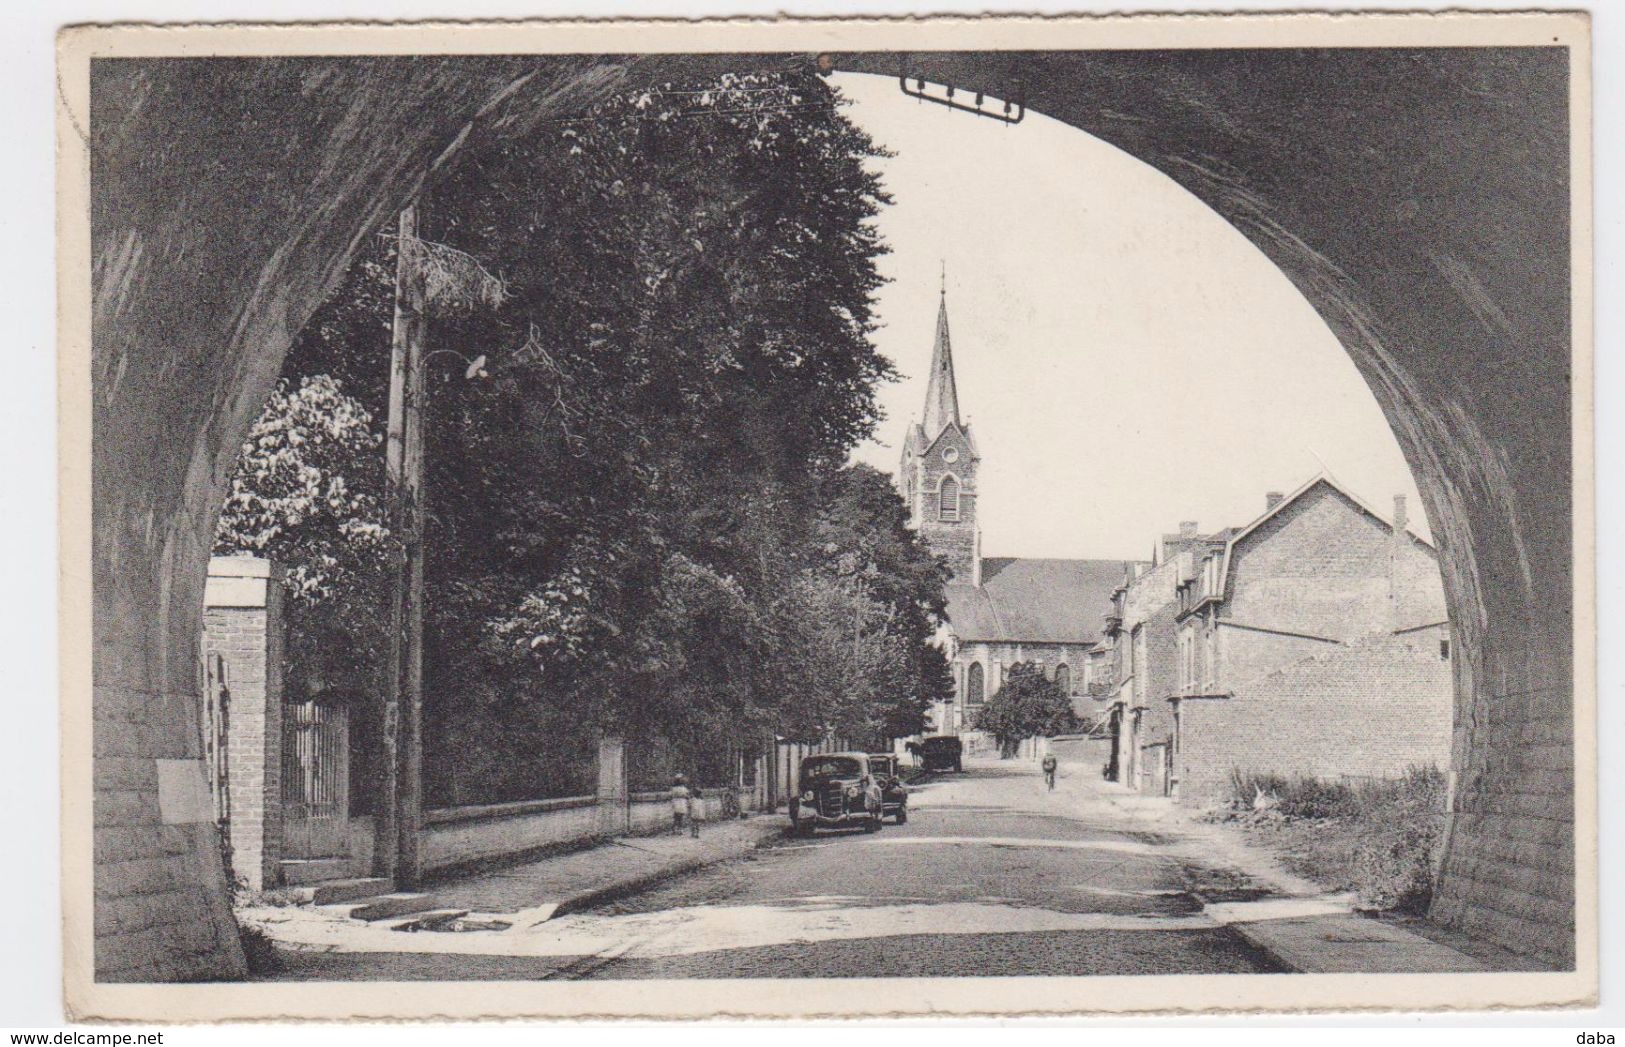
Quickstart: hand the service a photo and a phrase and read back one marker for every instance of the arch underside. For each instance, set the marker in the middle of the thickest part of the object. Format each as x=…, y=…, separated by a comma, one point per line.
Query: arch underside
x=1418, y=199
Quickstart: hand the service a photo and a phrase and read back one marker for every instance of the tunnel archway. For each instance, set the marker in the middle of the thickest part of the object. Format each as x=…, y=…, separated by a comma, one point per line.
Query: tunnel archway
x=1419, y=200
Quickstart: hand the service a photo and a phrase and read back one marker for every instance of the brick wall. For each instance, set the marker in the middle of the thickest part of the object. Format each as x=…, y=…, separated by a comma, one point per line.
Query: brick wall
x=1149, y=606
x=1321, y=567
x=955, y=540
x=1372, y=709
x=242, y=623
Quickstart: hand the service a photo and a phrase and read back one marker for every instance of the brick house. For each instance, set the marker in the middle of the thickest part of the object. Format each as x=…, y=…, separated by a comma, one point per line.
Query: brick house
x=1313, y=640
x=1001, y=610
x=1141, y=634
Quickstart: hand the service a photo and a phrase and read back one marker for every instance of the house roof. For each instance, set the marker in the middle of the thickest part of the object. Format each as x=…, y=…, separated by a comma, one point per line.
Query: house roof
x=1034, y=601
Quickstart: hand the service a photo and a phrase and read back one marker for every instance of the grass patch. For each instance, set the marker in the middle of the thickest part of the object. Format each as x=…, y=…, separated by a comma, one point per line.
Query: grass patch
x=1376, y=837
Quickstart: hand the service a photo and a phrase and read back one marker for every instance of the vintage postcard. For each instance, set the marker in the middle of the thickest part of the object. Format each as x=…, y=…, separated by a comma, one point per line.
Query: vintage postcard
x=805, y=518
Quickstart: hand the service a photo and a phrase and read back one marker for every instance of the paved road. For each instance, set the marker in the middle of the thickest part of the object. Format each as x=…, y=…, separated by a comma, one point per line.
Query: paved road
x=992, y=875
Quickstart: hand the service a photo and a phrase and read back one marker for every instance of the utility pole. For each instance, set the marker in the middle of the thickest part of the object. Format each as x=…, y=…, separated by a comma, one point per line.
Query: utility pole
x=399, y=813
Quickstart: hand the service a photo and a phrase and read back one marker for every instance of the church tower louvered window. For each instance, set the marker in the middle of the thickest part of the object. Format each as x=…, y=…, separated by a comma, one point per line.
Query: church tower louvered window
x=948, y=500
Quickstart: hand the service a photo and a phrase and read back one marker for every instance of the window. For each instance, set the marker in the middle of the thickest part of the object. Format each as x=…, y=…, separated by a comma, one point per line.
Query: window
x=1444, y=649
x=973, y=684
x=1063, y=678
x=1212, y=657
x=948, y=499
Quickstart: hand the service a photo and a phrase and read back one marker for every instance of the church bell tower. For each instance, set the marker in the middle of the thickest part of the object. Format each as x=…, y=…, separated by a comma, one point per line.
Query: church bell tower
x=938, y=471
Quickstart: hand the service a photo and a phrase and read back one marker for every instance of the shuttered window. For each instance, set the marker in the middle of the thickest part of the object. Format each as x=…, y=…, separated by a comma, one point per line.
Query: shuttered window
x=948, y=500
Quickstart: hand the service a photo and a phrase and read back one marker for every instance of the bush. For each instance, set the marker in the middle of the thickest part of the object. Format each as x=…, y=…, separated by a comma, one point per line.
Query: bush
x=1381, y=838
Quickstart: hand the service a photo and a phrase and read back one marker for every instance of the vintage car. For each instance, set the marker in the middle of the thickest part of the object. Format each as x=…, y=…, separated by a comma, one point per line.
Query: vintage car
x=942, y=752
x=893, y=793
x=836, y=791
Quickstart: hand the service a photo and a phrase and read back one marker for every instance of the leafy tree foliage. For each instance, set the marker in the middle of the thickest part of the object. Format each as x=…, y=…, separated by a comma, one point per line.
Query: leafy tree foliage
x=641, y=522
x=1027, y=704
x=307, y=494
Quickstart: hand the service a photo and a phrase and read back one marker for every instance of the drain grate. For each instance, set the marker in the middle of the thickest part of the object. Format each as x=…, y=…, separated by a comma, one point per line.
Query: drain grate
x=1236, y=894
x=454, y=920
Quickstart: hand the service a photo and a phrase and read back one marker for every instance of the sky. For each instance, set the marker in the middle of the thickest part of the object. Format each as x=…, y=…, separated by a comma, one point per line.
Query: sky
x=1126, y=358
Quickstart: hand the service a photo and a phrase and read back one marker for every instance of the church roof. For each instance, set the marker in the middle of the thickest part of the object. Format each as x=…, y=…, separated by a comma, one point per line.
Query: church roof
x=1034, y=601
x=941, y=394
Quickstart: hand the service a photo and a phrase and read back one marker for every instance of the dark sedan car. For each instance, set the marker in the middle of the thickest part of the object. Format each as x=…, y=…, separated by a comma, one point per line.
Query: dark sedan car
x=836, y=791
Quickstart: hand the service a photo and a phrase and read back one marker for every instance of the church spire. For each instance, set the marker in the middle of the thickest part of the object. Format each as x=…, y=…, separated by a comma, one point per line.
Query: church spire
x=941, y=395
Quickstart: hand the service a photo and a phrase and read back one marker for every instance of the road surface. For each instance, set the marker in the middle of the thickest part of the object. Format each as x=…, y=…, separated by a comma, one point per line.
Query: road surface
x=993, y=875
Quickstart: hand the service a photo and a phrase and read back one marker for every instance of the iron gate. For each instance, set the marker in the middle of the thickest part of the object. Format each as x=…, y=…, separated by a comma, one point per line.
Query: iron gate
x=315, y=781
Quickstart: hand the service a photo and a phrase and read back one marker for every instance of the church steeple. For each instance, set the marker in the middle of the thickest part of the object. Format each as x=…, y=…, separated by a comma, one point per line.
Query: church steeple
x=941, y=394
x=937, y=477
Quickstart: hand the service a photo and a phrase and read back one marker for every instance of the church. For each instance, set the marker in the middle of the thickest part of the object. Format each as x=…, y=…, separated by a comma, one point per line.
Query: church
x=1001, y=610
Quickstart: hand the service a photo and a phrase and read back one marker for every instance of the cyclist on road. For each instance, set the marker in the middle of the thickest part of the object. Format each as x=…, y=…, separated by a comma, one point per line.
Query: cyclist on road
x=1049, y=770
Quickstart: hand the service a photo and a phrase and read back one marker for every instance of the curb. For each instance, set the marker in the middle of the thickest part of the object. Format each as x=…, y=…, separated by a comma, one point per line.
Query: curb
x=1243, y=930
x=1342, y=944
x=1280, y=960
x=610, y=892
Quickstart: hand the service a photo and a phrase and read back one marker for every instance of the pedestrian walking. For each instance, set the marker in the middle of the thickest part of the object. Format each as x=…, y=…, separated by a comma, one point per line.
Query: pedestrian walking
x=682, y=806
x=1049, y=770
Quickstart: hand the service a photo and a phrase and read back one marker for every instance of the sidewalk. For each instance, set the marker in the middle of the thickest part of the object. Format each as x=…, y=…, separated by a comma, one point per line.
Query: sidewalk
x=1304, y=928
x=538, y=891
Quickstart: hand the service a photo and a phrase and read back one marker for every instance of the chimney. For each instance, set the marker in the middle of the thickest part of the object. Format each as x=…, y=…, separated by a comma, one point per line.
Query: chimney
x=1272, y=499
x=1187, y=528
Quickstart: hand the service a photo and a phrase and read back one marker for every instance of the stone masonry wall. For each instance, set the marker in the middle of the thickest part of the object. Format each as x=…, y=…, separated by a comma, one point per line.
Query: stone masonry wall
x=160, y=909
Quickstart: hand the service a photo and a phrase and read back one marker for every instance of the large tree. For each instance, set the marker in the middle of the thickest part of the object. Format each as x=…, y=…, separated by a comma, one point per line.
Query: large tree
x=308, y=494
x=1028, y=704
x=684, y=357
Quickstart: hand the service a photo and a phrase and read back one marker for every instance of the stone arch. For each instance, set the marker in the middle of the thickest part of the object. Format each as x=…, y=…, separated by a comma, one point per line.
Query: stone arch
x=1436, y=247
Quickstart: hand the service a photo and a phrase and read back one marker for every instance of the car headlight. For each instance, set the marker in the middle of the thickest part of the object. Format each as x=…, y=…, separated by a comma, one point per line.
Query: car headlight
x=853, y=792
x=808, y=797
